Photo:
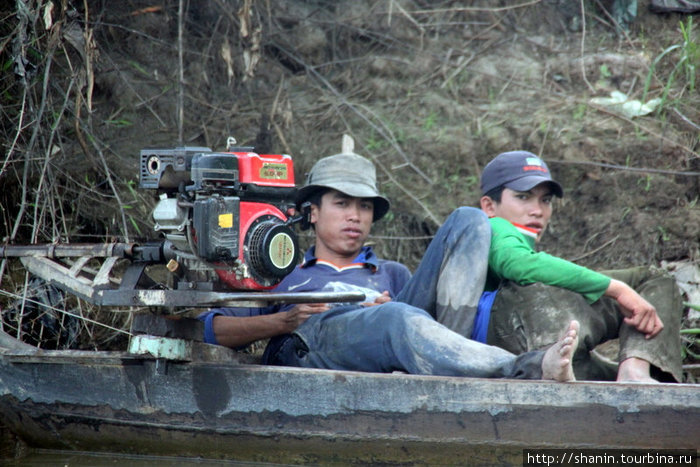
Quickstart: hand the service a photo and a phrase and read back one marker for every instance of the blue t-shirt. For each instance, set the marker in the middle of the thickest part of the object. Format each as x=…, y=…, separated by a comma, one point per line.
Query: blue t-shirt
x=367, y=274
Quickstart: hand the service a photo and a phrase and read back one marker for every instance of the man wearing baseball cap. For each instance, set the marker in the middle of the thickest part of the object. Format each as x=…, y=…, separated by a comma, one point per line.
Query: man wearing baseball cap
x=418, y=325
x=530, y=290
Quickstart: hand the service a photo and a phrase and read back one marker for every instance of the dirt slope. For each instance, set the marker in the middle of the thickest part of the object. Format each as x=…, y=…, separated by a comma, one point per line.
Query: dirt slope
x=429, y=90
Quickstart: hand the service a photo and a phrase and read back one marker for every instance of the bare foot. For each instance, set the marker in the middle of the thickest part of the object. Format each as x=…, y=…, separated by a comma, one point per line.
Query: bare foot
x=556, y=363
x=634, y=370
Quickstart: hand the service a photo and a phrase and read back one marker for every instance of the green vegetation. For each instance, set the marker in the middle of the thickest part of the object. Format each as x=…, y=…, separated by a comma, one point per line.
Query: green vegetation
x=687, y=56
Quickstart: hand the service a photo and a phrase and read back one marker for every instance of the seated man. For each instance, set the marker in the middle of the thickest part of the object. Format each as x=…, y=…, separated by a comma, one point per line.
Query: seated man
x=389, y=333
x=536, y=289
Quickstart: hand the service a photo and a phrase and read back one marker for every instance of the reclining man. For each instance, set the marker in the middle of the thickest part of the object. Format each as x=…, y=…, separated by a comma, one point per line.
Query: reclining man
x=537, y=290
x=406, y=324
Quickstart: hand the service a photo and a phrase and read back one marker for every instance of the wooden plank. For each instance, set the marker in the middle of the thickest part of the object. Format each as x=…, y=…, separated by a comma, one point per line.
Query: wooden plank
x=59, y=275
x=78, y=265
x=102, y=277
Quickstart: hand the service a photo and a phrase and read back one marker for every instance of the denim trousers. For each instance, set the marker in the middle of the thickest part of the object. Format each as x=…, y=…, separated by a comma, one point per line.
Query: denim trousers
x=423, y=329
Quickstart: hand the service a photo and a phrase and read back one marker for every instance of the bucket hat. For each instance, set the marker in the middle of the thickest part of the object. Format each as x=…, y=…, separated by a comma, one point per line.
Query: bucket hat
x=519, y=171
x=349, y=173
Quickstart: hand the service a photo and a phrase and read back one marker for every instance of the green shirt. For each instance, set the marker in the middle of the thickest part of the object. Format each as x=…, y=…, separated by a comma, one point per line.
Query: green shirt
x=513, y=257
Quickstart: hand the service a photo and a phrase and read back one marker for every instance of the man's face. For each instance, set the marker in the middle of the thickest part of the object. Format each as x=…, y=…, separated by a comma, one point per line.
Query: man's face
x=342, y=224
x=531, y=208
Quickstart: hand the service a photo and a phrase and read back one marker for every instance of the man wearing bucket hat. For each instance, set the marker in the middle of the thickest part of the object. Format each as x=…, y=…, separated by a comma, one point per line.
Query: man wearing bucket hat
x=408, y=323
x=535, y=289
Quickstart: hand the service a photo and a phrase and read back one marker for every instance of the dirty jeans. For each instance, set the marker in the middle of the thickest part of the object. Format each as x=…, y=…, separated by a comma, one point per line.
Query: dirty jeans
x=525, y=318
x=450, y=278
x=412, y=333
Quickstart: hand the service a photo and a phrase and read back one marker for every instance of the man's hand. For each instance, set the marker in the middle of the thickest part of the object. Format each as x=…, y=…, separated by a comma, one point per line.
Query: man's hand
x=638, y=312
x=235, y=331
x=292, y=319
x=383, y=298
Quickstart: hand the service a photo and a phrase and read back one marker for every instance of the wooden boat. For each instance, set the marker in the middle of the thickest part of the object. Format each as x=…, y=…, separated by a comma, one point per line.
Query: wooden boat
x=214, y=404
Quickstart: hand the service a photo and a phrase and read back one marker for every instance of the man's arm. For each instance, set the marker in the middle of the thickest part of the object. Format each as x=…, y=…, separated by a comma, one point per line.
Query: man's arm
x=239, y=331
x=638, y=312
x=513, y=257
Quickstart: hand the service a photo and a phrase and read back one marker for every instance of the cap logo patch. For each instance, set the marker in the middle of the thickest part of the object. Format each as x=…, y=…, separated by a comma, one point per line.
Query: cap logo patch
x=534, y=164
x=537, y=168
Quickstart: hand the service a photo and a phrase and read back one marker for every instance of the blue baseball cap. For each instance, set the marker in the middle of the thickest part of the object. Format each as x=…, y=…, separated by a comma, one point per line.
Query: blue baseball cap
x=519, y=171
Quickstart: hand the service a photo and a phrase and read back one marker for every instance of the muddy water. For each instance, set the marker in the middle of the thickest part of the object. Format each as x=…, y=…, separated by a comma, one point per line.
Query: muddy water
x=49, y=458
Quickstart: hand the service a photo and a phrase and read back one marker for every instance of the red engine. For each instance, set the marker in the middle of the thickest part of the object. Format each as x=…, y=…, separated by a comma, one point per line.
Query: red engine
x=226, y=211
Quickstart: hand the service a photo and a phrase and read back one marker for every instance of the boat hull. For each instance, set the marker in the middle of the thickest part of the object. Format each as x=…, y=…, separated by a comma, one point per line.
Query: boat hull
x=116, y=402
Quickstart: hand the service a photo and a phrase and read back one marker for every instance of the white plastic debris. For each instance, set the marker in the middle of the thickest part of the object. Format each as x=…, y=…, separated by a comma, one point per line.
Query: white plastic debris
x=687, y=275
x=619, y=102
